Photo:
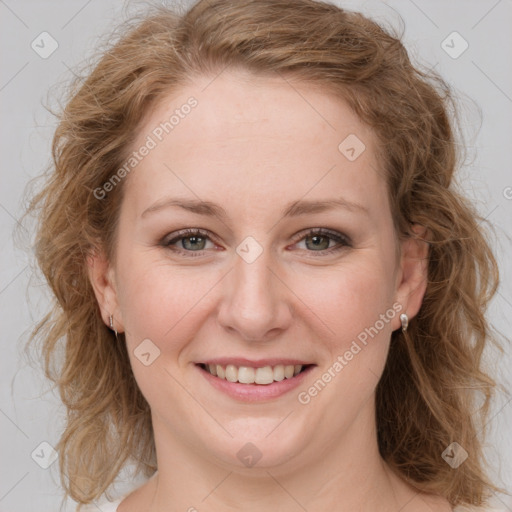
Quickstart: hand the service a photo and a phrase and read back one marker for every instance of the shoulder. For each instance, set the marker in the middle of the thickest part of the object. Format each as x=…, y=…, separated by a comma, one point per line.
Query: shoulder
x=103, y=506
x=437, y=503
x=471, y=508
x=130, y=498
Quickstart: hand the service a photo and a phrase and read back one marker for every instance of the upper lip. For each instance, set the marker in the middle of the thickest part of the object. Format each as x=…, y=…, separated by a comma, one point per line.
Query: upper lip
x=260, y=363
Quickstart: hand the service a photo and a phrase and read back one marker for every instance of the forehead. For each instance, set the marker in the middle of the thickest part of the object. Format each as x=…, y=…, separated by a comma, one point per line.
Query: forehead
x=256, y=136
x=235, y=104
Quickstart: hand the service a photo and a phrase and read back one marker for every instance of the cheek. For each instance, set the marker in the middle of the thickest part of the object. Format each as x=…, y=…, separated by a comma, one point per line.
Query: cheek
x=356, y=309
x=351, y=300
x=162, y=302
x=165, y=305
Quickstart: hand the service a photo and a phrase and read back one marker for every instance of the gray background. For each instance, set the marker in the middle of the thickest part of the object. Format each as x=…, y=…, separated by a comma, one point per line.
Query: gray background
x=30, y=412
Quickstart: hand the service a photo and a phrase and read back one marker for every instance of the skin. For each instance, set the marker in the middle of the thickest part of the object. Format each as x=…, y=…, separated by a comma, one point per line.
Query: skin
x=253, y=146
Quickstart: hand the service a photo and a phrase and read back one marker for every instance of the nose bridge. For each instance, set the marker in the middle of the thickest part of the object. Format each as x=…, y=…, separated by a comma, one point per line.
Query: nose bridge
x=253, y=301
x=252, y=278
x=252, y=289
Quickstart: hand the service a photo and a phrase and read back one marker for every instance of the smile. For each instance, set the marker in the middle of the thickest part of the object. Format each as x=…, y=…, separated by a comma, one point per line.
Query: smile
x=248, y=375
x=257, y=383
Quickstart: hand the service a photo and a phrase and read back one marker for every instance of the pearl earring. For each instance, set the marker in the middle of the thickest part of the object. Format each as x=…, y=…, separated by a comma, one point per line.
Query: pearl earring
x=405, y=321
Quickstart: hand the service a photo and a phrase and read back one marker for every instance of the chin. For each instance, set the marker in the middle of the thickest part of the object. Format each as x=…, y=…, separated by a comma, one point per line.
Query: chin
x=261, y=442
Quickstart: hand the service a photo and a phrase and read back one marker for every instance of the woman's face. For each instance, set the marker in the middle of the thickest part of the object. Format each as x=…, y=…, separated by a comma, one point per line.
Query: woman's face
x=260, y=166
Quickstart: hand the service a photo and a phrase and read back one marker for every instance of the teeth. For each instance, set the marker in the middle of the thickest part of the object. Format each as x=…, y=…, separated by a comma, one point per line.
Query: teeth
x=248, y=375
x=231, y=373
x=289, y=371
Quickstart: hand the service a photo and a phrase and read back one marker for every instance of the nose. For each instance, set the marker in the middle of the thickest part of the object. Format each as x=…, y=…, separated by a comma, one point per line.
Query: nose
x=256, y=301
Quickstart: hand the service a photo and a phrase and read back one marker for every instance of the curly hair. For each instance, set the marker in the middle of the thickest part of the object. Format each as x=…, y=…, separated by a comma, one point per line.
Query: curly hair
x=427, y=395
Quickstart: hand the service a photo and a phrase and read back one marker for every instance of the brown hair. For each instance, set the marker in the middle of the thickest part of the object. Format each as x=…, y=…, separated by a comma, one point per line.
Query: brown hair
x=426, y=396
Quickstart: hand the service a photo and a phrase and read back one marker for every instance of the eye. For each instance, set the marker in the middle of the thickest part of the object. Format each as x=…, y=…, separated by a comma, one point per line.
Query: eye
x=320, y=239
x=192, y=240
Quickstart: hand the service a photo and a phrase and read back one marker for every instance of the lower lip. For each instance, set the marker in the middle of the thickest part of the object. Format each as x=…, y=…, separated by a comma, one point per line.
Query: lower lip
x=255, y=392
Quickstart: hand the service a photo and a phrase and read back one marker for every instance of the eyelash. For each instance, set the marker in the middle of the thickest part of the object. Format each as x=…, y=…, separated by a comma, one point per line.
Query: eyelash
x=341, y=239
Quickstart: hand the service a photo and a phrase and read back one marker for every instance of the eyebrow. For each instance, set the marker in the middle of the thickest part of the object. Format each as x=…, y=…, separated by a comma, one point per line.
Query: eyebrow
x=295, y=208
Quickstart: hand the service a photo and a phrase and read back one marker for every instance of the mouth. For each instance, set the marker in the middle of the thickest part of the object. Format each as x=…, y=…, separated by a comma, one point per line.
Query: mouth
x=254, y=375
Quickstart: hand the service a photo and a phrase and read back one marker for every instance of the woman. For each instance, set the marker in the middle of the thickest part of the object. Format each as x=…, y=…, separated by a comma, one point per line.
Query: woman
x=270, y=295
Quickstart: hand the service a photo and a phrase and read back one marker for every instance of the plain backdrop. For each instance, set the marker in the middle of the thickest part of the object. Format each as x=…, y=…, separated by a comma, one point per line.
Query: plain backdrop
x=477, y=63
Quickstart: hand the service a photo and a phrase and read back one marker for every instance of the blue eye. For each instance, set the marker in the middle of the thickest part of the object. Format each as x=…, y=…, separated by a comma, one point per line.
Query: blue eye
x=194, y=240
x=321, y=239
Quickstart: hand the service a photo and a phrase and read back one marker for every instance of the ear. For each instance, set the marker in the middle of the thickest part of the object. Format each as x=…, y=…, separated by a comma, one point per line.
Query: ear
x=101, y=275
x=413, y=273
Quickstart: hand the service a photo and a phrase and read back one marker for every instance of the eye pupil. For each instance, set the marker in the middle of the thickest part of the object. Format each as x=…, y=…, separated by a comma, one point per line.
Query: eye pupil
x=194, y=240
x=317, y=241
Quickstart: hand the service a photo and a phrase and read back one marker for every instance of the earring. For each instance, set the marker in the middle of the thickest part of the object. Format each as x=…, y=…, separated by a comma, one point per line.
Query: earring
x=405, y=321
x=112, y=328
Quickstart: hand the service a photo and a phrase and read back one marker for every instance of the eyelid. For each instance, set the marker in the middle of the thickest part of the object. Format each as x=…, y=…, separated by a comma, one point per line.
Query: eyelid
x=174, y=237
x=342, y=239
x=336, y=235
x=183, y=233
